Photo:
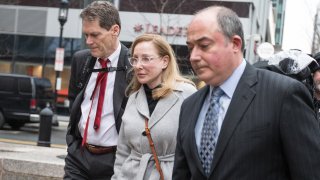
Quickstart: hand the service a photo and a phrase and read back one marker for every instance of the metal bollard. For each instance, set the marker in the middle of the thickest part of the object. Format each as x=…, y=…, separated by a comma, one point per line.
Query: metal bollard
x=45, y=127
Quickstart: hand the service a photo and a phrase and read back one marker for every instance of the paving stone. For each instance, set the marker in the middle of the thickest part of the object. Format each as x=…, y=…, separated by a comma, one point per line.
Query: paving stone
x=31, y=162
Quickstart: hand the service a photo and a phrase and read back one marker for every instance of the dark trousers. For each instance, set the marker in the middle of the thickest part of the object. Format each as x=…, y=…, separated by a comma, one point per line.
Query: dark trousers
x=80, y=164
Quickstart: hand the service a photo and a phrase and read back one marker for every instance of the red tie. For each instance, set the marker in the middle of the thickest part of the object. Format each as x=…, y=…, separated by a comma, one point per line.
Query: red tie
x=102, y=81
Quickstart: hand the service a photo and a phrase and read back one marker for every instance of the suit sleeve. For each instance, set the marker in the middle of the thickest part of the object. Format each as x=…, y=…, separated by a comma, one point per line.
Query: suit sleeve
x=72, y=90
x=300, y=133
x=180, y=168
x=72, y=93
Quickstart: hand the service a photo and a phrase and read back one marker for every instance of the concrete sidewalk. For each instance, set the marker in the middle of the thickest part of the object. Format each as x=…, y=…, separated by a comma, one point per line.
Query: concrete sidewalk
x=31, y=162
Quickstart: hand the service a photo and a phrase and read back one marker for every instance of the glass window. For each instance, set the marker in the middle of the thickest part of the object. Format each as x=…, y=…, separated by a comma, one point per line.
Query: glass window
x=43, y=88
x=24, y=85
x=7, y=84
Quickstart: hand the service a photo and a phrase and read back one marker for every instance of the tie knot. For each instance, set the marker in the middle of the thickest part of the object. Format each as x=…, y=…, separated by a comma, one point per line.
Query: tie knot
x=216, y=94
x=103, y=62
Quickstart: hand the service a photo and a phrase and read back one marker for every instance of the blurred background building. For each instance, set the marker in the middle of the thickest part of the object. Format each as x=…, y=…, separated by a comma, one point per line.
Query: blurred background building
x=298, y=31
x=29, y=30
x=278, y=7
x=316, y=32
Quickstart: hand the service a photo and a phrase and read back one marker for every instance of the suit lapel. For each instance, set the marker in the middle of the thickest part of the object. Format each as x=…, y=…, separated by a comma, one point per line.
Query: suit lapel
x=240, y=101
x=194, y=114
x=85, y=69
x=120, y=83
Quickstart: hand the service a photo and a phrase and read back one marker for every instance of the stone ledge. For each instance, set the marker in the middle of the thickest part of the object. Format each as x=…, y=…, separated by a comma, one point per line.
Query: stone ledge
x=31, y=162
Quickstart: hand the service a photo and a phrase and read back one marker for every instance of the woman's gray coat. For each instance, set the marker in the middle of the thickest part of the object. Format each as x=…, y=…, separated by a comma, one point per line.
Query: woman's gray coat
x=134, y=158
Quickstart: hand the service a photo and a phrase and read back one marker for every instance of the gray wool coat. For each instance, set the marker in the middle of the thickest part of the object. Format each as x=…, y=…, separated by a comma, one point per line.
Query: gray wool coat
x=134, y=158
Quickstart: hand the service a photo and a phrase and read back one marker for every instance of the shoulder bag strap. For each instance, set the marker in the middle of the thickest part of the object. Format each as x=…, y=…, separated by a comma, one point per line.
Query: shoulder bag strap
x=85, y=72
x=154, y=153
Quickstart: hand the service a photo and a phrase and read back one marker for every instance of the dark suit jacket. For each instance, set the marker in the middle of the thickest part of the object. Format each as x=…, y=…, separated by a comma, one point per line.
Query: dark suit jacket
x=269, y=132
x=77, y=88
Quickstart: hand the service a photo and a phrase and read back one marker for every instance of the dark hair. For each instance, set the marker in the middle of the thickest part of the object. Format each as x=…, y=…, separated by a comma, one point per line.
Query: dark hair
x=228, y=22
x=104, y=11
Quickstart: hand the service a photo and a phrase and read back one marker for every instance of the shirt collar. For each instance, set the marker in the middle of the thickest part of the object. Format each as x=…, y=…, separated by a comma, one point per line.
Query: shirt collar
x=114, y=57
x=229, y=86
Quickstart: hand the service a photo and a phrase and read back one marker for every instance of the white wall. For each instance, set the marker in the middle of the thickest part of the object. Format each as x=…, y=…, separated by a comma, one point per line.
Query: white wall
x=173, y=26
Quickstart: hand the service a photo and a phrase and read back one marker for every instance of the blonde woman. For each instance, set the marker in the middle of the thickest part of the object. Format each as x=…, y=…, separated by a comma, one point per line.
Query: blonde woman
x=157, y=91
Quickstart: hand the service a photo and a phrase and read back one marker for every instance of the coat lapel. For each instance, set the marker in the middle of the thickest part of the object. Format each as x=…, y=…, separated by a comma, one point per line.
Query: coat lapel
x=163, y=106
x=240, y=102
x=142, y=104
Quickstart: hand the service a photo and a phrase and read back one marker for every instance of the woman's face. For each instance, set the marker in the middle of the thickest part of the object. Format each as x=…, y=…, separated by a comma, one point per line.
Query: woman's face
x=148, y=64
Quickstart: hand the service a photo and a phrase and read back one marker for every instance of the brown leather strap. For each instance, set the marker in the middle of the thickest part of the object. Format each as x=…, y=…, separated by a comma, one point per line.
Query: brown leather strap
x=154, y=153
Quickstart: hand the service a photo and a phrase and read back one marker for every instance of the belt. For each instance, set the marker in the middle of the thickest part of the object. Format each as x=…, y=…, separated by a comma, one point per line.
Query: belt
x=100, y=149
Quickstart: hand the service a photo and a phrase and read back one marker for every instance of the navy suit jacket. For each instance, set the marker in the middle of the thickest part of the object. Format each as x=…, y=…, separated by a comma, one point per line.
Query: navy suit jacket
x=77, y=88
x=270, y=131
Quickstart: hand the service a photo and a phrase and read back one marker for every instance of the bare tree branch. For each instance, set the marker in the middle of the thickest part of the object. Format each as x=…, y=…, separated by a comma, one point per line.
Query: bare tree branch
x=137, y=10
x=155, y=5
x=179, y=5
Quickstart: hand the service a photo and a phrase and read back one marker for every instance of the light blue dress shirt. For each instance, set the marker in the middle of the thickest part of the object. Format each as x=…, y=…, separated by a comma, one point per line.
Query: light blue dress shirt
x=228, y=88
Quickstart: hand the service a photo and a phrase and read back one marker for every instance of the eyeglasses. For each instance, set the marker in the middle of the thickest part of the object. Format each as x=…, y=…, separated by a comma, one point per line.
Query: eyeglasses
x=143, y=60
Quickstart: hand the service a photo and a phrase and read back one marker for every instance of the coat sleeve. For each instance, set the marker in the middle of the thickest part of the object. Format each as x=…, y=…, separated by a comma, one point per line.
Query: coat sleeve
x=122, y=154
x=123, y=149
x=300, y=133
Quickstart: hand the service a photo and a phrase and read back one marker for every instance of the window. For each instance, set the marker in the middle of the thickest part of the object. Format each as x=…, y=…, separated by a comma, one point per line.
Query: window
x=43, y=88
x=7, y=84
x=24, y=85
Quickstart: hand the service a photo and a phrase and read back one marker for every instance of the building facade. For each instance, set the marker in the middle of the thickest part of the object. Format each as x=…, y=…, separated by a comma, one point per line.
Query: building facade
x=316, y=32
x=29, y=30
x=279, y=7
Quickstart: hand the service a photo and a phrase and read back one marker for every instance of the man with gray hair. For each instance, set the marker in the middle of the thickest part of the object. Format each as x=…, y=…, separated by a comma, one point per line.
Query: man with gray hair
x=246, y=123
x=96, y=93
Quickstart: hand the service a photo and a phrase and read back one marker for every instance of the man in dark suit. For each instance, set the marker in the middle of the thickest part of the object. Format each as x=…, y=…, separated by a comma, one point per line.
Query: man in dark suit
x=96, y=94
x=261, y=124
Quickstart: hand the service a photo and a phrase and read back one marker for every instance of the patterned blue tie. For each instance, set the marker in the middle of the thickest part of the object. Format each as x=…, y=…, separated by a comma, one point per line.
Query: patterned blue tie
x=209, y=133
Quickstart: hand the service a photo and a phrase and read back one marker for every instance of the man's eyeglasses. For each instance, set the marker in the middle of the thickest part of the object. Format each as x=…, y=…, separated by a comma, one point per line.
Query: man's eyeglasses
x=143, y=60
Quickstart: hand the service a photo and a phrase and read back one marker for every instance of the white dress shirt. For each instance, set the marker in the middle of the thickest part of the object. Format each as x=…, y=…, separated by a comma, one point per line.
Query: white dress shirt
x=228, y=88
x=107, y=134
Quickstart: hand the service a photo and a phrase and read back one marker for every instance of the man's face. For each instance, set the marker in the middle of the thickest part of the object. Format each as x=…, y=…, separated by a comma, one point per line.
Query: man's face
x=316, y=80
x=211, y=54
x=101, y=42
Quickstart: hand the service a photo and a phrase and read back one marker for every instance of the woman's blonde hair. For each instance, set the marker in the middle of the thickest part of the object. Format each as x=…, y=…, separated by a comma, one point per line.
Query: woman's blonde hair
x=171, y=73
